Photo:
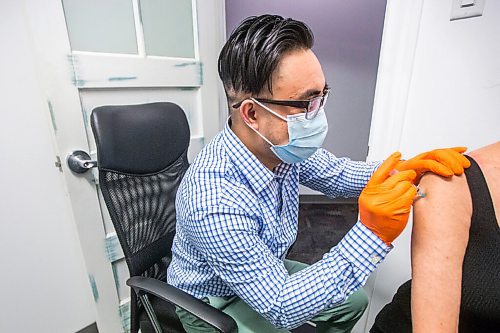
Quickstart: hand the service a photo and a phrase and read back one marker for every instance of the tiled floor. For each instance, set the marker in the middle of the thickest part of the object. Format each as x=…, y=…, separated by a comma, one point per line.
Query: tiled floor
x=321, y=226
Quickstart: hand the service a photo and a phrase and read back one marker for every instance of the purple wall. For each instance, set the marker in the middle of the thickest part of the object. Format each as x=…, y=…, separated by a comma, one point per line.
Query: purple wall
x=347, y=42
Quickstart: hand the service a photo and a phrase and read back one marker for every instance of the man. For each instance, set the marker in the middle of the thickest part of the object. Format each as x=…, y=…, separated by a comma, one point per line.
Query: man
x=237, y=207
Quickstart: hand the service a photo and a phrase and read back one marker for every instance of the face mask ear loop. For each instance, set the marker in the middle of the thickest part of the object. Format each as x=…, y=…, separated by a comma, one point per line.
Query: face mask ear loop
x=268, y=109
x=262, y=136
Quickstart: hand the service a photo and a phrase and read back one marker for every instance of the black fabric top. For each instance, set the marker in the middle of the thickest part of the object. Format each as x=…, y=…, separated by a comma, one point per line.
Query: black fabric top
x=480, y=304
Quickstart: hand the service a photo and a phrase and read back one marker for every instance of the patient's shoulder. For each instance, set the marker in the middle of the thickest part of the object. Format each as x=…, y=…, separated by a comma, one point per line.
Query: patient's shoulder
x=440, y=188
x=445, y=198
x=487, y=156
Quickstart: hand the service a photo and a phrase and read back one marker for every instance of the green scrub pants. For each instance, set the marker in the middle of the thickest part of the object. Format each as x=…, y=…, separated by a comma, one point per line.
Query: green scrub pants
x=340, y=318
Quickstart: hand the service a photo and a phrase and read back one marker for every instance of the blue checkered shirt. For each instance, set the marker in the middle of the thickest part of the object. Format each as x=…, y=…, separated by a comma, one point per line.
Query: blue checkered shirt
x=236, y=220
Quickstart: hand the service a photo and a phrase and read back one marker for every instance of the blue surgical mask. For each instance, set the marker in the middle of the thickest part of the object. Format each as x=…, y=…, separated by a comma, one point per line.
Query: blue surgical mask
x=305, y=136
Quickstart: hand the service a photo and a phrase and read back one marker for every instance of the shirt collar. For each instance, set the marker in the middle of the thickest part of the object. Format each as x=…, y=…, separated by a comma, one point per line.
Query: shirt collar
x=257, y=174
x=282, y=169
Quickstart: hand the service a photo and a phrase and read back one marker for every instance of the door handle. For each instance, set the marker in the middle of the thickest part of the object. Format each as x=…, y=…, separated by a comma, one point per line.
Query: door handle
x=80, y=162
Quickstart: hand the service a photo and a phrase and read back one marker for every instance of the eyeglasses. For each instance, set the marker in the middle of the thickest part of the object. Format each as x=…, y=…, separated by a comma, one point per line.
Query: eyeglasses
x=311, y=106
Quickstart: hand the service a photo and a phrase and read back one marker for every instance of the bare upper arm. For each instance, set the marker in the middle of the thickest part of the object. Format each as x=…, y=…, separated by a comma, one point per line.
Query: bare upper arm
x=439, y=238
x=446, y=207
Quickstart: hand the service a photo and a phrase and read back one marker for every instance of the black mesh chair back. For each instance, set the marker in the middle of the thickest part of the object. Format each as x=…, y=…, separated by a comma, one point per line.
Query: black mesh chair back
x=142, y=157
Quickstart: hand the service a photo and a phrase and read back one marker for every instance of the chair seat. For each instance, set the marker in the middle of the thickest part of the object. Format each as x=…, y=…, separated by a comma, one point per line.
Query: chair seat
x=166, y=315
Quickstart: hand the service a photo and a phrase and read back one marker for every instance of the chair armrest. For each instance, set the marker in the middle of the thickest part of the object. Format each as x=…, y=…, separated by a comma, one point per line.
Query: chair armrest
x=193, y=305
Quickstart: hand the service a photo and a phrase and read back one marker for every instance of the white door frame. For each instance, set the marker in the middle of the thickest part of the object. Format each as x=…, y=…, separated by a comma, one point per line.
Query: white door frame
x=397, y=54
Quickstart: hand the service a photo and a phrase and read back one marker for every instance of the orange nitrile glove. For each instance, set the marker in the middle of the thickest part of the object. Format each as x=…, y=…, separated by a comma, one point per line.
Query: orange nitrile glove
x=385, y=202
x=445, y=162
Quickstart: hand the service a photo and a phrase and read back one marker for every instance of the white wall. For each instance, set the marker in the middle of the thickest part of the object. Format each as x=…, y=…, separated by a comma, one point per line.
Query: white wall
x=453, y=99
x=455, y=92
x=44, y=285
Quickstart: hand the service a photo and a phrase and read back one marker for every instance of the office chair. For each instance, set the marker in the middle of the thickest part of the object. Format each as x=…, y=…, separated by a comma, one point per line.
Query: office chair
x=142, y=157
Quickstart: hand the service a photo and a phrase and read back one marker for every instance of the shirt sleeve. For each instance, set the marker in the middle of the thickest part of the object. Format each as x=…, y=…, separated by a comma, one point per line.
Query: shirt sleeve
x=335, y=177
x=229, y=239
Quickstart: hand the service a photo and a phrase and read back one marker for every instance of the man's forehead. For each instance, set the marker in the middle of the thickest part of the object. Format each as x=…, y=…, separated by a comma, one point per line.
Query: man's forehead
x=299, y=89
x=298, y=75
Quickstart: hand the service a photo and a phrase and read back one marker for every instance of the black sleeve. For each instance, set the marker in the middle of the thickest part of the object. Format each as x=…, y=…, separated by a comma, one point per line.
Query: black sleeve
x=395, y=317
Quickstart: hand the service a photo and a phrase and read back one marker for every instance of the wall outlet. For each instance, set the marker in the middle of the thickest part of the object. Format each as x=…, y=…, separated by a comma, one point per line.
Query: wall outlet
x=461, y=9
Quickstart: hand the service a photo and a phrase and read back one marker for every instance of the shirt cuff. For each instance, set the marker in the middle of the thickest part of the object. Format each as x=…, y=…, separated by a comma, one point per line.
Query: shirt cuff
x=376, y=164
x=363, y=248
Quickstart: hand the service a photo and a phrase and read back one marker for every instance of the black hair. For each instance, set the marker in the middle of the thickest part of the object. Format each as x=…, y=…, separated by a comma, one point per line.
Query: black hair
x=254, y=50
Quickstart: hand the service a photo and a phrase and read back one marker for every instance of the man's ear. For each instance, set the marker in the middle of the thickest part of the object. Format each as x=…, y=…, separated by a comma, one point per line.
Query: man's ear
x=247, y=113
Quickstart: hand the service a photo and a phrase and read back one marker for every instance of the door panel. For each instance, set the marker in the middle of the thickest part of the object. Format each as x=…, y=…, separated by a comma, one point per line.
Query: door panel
x=115, y=78
x=101, y=26
x=92, y=70
x=168, y=28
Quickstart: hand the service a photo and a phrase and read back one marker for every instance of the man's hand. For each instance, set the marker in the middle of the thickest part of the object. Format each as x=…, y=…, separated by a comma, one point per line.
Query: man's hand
x=385, y=202
x=445, y=162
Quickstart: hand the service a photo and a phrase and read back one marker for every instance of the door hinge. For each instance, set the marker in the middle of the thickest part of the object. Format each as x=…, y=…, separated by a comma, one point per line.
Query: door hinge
x=58, y=164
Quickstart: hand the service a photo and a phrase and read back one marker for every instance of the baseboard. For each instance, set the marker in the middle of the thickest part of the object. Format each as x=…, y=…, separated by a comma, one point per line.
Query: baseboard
x=323, y=199
x=92, y=328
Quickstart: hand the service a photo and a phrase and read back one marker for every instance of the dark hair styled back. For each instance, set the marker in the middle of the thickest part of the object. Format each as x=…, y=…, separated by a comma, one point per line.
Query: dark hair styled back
x=254, y=50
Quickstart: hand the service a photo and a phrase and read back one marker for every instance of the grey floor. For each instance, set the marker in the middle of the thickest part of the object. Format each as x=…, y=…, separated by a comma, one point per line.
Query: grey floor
x=321, y=226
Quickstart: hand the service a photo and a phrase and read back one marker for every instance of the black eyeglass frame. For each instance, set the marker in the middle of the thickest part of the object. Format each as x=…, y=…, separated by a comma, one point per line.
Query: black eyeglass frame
x=301, y=104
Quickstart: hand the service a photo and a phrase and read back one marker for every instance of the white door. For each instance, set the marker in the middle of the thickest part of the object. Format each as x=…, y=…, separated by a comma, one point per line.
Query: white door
x=96, y=52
